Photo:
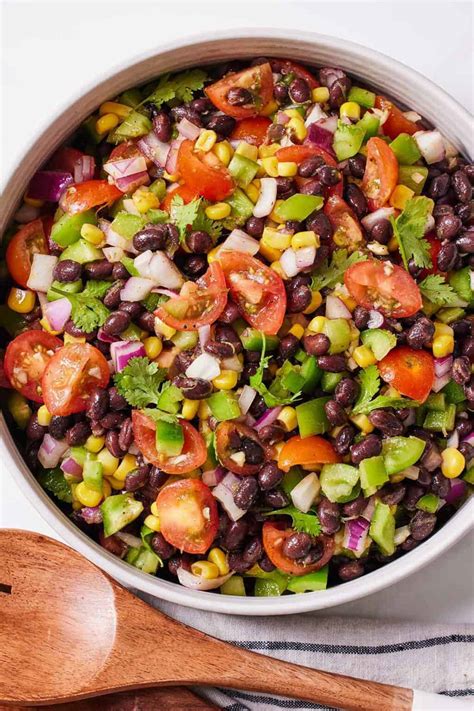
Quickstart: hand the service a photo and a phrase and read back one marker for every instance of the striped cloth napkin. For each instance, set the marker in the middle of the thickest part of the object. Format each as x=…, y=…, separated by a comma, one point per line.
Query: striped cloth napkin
x=437, y=658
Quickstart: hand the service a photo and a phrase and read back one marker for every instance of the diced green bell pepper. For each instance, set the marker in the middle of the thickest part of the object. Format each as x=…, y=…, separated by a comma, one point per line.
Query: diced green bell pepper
x=382, y=528
x=242, y=206
x=469, y=476
x=436, y=401
x=413, y=176
x=405, y=149
x=67, y=229
x=373, y=475
x=300, y=355
x=441, y=421
x=126, y=225
x=224, y=405
x=454, y=393
x=267, y=588
x=130, y=266
x=299, y=207
x=233, y=586
x=379, y=341
x=339, y=481
x=19, y=409
x=401, y=452
x=143, y=559
x=131, y=333
x=329, y=381
x=185, y=340
x=290, y=479
x=70, y=287
x=312, y=417
x=311, y=373
x=450, y=314
x=339, y=333
x=461, y=283
x=131, y=97
x=363, y=97
x=428, y=503
x=369, y=123
x=158, y=188
x=88, y=126
x=169, y=438
x=92, y=472
x=309, y=582
x=118, y=511
x=276, y=581
x=348, y=140
x=134, y=126
x=170, y=399
x=79, y=454
x=242, y=169
x=290, y=378
x=252, y=340
x=82, y=252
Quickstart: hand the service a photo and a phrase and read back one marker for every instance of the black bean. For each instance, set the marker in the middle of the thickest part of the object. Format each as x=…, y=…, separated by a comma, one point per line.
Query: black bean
x=34, y=431
x=308, y=167
x=135, y=479
x=469, y=170
x=351, y=570
x=464, y=212
x=299, y=91
x=381, y=232
x=152, y=237
x=386, y=422
x=338, y=92
x=275, y=132
x=157, y=477
x=230, y=314
x=182, y=361
x=447, y=257
x=422, y=525
x=116, y=401
x=314, y=554
x=332, y=363
x=421, y=333
x=393, y=494
x=467, y=451
x=119, y=271
x=146, y=321
x=202, y=105
x=335, y=413
x=328, y=175
x=280, y=92
x=276, y=499
x=462, y=186
x=195, y=265
x=193, y=388
x=238, y=563
x=465, y=242
x=235, y=535
x=346, y=392
x=112, y=297
x=97, y=404
x=246, y=493
x=132, y=308
x=317, y=344
x=272, y=433
x=438, y=186
x=78, y=433
x=344, y=439
x=73, y=330
x=179, y=561
x=424, y=478
x=312, y=187
x=199, y=241
x=288, y=346
x=112, y=420
x=413, y=494
x=468, y=348
x=223, y=125
x=161, y=547
x=116, y=323
x=356, y=199
x=361, y=317
x=298, y=297
x=297, y=545
x=253, y=551
x=285, y=188
x=58, y=426
x=461, y=328
x=329, y=516
x=125, y=439
x=439, y=484
x=320, y=224
x=220, y=350
x=162, y=126
x=461, y=370
x=185, y=111
x=254, y=226
x=370, y=446
x=357, y=165
x=269, y=476
x=112, y=444
x=67, y=270
x=238, y=96
x=448, y=226
x=101, y=269
x=253, y=451
x=355, y=507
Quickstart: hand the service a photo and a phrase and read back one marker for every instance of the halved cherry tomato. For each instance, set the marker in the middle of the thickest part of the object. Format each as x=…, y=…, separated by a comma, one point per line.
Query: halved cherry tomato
x=91, y=193
x=26, y=359
x=306, y=451
x=188, y=515
x=230, y=439
x=71, y=375
x=383, y=286
x=290, y=67
x=65, y=158
x=29, y=240
x=297, y=154
x=127, y=149
x=253, y=130
x=193, y=455
x=257, y=80
x=183, y=191
x=396, y=122
x=435, y=247
x=381, y=173
x=274, y=536
x=204, y=173
x=410, y=372
x=199, y=303
x=347, y=231
x=257, y=290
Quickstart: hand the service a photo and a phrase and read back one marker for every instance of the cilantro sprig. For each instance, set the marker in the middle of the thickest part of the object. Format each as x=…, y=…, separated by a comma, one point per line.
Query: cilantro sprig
x=180, y=87
x=369, y=380
x=256, y=381
x=192, y=217
x=302, y=522
x=88, y=312
x=409, y=229
x=329, y=274
x=140, y=382
x=435, y=288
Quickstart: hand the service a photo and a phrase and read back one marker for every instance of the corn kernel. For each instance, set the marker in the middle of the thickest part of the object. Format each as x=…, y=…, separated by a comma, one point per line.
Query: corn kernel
x=247, y=150
x=350, y=110
x=106, y=123
x=443, y=346
x=204, y=412
x=153, y=347
x=145, y=200
x=274, y=216
x=304, y=239
x=442, y=329
x=270, y=253
x=226, y=380
x=296, y=126
x=341, y=238
x=348, y=301
x=297, y=330
x=171, y=177
x=22, y=301
x=315, y=303
x=92, y=234
x=287, y=169
x=393, y=243
x=190, y=409
x=128, y=464
x=94, y=444
x=73, y=339
x=400, y=196
x=44, y=416
x=87, y=496
x=206, y=141
x=287, y=418
x=205, y=569
x=275, y=239
x=276, y=266
x=154, y=509
x=116, y=484
x=108, y=461
x=269, y=108
x=320, y=95
x=292, y=113
x=152, y=522
x=364, y=357
x=33, y=202
x=252, y=191
x=267, y=151
x=223, y=150
x=317, y=324
x=162, y=329
x=45, y=324
x=106, y=488
x=213, y=255
x=453, y=462
x=270, y=166
x=113, y=107
x=363, y=423
x=219, y=558
x=219, y=211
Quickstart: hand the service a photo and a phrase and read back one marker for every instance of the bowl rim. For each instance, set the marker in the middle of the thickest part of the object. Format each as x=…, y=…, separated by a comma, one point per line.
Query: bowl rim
x=393, y=572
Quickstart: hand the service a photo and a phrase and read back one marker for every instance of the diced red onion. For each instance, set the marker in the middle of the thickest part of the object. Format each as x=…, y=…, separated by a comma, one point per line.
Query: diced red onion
x=129, y=539
x=368, y=512
x=315, y=114
x=188, y=129
x=335, y=308
x=471, y=278
x=196, y=582
x=224, y=492
x=49, y=185
x=131, y=182
x=154, y=149
x=469, y=438
x=375, y=319
x=57, y=313
x=430, y=145
x=51, y=451
x=165, y=292
x=204, y=366
x=105, y=338
x=136, y=289
x=240, y=241
x=440, y=382
x=321, y=137
x=213, y=477
x=91, y=514
x=268, y=418
x=432, y=459
x=142, y=263
x=113, y=254
x=112, y=237
x=412, y=116
x=123, y=351
x=457, y=490
x=282, y=119
x=383, y=213
x=247, y=396
x=42, y=298
x=172, y=160
x=412, y=473
x=84, y=169
x=125, y=167
x=70, y=466
x=232, y=363
x=26, y=213
x=305, y=492
x=355, y=535
x=401, y=534
x=41, y=274
x=443, y=366
x=267, y=198
x=453, y=439
x=305, y=257
x=329, y=124
x=288, y=262
x=164, y=272
x=204, y=335
x=249, y=420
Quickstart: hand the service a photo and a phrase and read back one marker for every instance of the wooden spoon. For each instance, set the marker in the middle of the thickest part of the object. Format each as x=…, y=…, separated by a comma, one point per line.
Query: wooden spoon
x=68, y=632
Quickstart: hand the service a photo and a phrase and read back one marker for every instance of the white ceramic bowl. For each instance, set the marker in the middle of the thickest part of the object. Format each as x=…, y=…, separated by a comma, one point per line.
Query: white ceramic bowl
x=381, y=72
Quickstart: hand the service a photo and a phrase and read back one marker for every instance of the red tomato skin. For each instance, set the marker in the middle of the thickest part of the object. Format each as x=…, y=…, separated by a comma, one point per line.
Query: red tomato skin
x=194, y=445
x=343, y=218
x=168, y=503
x=252, y=130
x=288, y=66
x=65, y=159
x=260, y=77
x=274, y=536
x=91, y=193
x=381, y=171
x=223, y=448
x=182, y=191
x=297, y=154
x=411, y=372
x=18, y=350
x=396, y=122
x=18, y=255
x=308, y=450
x=269, y=317
x=211, y=182
x=398, y=288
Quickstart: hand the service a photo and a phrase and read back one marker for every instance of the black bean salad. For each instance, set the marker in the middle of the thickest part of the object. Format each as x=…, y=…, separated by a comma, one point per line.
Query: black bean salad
x=238, y=331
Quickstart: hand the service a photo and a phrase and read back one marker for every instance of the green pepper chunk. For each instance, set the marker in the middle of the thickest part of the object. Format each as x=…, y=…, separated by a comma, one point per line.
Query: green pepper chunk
x=170, y=399
x=454, y=392
x=143, y=559
x=401, y=452
x=428, y=503
x=70, y=287
x=67, y=229
x=379, y=341
x=276, y=582
x=126, y=225
x=79, y=454
x=252, y=340
x=118, y=511
x=129, y=266
x=363, y=97
x=233, y=586
x=329, y=381
x=242, y=169
x=242, y=206
x=158, y=188
x=169, y=438
x=373, y=474
x=382, y=528
x=134, y=126
x=299, y=207
x=312, y=417
x=131, y=333
x=82, y=252
x=339, y=482
x=339, y=333
x=441, y=421
x=469, y=476
x=369, y=123
x=405, y=148
x=19, y=409
x=436, y=401
x=450, y=314
x=224, y=405
x=185, y=340
x=92, y=472
x=318, y=580
x=348, y=140
x=413, y=176
x=290, y=479
x=311, y=373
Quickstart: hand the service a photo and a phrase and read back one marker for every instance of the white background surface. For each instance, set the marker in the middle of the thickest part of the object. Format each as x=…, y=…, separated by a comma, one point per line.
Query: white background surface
x=50, y=51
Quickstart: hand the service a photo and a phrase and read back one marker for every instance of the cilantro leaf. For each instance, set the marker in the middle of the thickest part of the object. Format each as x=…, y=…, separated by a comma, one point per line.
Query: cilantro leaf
x=204, y=223
x=140, y=381
x=331, y=274
x=180, y=86
x=302, y=522
x=435, y=289
x=96, y=288
x=387, y=401
x=369, y=385
x=153, y=300
x=193, y=216
x=256, y=381
x=88, y=312
x=53, y=480
x=409, y=229
x=160, y=415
